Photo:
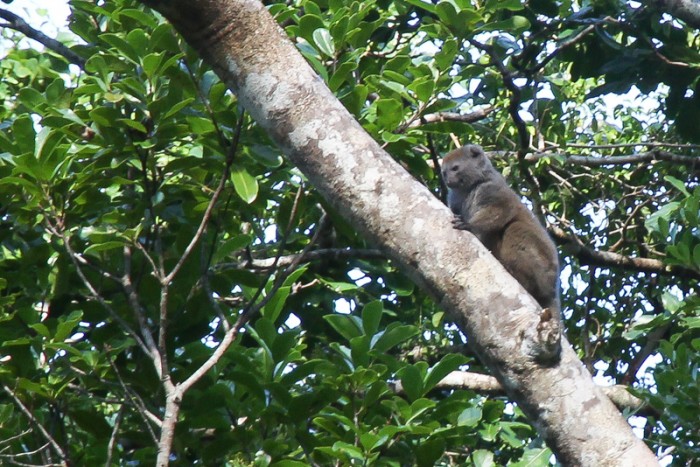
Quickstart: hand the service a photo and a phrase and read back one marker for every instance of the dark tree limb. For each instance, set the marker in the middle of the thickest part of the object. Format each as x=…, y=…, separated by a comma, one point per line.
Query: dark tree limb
x=20, y=25
x=590, y=256
x=686, y=10
x=515, y=98
x=641, y=158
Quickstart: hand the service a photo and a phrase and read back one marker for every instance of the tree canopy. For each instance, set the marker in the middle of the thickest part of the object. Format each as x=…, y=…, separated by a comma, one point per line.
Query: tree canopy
x=152, y=234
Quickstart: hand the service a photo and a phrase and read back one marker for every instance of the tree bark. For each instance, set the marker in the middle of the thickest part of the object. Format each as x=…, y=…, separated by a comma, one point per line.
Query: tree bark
x=686, y=10
x=252, y=55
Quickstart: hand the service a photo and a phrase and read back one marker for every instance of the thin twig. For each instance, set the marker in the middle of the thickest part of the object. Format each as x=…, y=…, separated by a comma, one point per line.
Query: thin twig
x=471, y=117
x=564, y=45
x=515, y=98
x=137, y=402
x=149, y=345
x=210, y=208
x=59, y=451
x=252, y=309
x=59, y=232
x=113, y=438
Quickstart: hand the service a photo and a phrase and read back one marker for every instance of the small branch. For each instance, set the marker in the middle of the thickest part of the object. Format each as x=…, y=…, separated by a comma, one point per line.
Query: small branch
x=136, y=401
x=18, y=24
x=652, y=338
x=210, y=208
x=564, y=45
x=11, y=439
x=148, y=344
x=315, y=255
x=649, y=144
x=489, y=385
x=436, y=167
x=470, y=117
x=60, y=233
x=594, y=257
x=247, y=313
x=515, y=98
x=113, y=439
x=588, y=349
x=594, y=161
x=59, y=451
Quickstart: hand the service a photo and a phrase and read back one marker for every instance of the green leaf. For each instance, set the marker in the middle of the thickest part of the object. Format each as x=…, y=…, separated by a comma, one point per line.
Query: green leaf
x=423, y=88
x=430, y=8
x=308, y=24
x=93, y=249
x=399, y=283
x=67, y=325
x=483, y=458
x=513, y=24
x=437, y=318
x=359, y=350
x=140, y=16
x=231, y=245
x=32, y=98
x=371, y=316
x=411, y=381
x=419, y=407
x=46, y=141
x=151, y=63
x=324, y=41
x=393, y=335
x=246, y=185
x=351, y=451
x=41, y=329
x=289, y=463
x=495, y=5
x=122, y=46
x=178, y=106
x=389, y=113
x=274, y=306
x=428, y=452
x=201, y=125
x=679, y=185
x=341, y=287
x=447, y=364
x=348, y=326
x=470, y=417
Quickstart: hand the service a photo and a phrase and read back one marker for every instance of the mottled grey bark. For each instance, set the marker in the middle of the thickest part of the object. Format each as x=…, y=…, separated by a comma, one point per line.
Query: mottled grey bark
x=243, y=44
x=685, y=10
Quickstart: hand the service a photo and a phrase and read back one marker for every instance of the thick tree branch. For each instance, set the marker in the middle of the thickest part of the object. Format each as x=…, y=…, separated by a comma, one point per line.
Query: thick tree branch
x=248, y=50
x=686, y=10
x=18, y=24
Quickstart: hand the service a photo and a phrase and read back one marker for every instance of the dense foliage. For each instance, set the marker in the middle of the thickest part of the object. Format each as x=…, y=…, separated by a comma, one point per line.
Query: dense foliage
x=141, y=209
